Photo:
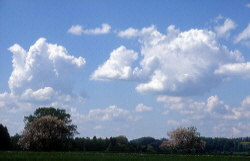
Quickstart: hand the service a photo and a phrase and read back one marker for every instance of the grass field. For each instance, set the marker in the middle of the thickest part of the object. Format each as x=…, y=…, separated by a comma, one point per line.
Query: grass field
x=98, y=156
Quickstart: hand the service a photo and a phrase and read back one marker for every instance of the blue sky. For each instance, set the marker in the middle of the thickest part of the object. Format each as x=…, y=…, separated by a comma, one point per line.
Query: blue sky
x=133, y=68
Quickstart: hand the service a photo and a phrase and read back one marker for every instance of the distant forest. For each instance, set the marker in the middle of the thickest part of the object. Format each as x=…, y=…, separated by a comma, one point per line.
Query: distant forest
x=144, y=144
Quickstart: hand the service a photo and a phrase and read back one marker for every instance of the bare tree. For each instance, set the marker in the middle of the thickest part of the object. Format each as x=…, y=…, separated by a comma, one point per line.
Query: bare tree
x=185, y=139
x=45, y=133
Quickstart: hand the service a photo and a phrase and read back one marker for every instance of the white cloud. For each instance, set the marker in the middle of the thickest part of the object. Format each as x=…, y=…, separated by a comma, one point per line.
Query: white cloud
x=215, y=106
x=103, y=30
x=212, y=107
x=141, y=108
x=178, y=63
x=244, y=35
x=41, y=76
x=129, y=33
x=224, y=30
x=236, y=69
x=117, y=67
x=44, y=65
x=78, y=30
x=108, y=114
x=172, y=102
x=248, y=5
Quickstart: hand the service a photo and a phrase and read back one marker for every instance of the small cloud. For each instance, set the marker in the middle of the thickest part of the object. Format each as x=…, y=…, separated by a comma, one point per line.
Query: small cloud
x=141, y=108
x=78, y=30
x=98, y=127
x=244, y=35
x=248, y=5
x=129, y=33
x=103, y=30
x=224, y=29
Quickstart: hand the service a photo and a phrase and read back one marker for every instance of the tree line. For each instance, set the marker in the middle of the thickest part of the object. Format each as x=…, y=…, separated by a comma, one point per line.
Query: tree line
x=50, y=129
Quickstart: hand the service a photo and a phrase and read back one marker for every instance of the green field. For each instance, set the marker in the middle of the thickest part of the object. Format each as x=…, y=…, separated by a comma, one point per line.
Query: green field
x=98, y=156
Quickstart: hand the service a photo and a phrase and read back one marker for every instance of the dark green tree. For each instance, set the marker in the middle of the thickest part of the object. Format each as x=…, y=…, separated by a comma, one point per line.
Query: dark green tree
x=5, y=143
x=14, y=139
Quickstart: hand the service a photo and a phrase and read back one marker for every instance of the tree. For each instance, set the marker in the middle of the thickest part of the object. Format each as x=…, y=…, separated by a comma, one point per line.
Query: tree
x=184, y=139
x=5, y=143
x=45, y=133
x=14, y=139
x=59, y=113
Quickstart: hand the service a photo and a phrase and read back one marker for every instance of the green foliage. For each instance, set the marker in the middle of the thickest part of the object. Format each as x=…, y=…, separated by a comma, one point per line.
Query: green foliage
x=5, y=143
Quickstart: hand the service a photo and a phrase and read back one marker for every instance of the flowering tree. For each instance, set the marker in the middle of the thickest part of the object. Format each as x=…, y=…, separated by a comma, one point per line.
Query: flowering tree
x=45, y=133
x=59, y=113
x=185, y=139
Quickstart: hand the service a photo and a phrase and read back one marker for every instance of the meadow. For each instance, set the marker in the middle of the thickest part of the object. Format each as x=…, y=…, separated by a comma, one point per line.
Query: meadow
x=98, y=156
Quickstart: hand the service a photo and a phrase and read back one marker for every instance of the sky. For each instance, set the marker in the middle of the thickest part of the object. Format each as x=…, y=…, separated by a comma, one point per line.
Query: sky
x=132, y=68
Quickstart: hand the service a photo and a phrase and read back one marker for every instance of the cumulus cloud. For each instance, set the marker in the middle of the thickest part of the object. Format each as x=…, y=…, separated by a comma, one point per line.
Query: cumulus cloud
x=142, y=108
x=41, y=76
x=78, y=30
x=224, y=30
x=177, y=63
x=244, y=35
x=117, y=67
x=44, y=65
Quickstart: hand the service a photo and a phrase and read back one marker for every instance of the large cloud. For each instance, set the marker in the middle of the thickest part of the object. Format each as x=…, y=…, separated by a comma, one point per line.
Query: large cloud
x=41, y=76
x=178, y=63
x=44, y=65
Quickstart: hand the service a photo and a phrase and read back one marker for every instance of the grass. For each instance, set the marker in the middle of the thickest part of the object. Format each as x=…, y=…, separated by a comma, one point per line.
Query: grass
x=99, y=156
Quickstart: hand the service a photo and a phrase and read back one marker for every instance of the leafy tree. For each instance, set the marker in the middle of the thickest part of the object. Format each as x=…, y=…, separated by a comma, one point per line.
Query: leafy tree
x=59, y=113
x=185, y=139
x=45, y=133
x=5, y=143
